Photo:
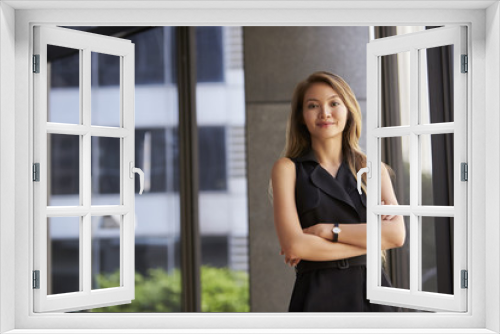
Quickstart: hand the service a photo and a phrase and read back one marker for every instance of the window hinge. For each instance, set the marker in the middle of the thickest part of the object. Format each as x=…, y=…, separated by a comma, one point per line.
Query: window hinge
x=465, y=171
x=465, y=279
x=36, y=279
x=36, y=63
x=465, y=63
x=36, y=172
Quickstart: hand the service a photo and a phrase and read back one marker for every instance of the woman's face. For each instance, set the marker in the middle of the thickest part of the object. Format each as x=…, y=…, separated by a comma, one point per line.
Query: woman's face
x=324, y=112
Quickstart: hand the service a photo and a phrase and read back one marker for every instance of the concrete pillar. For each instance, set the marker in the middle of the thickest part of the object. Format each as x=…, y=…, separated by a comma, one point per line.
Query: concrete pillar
x=276, y=59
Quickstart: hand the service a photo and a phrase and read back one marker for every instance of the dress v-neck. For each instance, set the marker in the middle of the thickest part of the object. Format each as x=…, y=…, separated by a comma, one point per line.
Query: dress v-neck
x=338, y=170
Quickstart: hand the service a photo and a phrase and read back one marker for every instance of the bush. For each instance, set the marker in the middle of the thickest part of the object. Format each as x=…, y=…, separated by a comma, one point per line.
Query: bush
x=223, y=290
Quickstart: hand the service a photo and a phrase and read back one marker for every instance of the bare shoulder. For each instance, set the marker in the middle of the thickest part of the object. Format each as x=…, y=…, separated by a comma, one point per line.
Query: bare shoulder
x=384, y=168
x=283, y=166
x=283, y=178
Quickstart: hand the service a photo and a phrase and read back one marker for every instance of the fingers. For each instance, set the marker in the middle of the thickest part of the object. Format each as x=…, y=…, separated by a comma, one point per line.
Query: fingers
x=292, y=262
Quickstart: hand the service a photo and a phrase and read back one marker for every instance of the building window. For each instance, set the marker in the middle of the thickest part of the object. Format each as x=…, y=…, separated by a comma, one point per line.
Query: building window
x=209, y=43
x=212, y=155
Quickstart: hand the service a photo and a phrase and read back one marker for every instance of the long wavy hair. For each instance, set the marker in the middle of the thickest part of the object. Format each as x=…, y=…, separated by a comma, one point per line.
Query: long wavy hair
x=298, y=138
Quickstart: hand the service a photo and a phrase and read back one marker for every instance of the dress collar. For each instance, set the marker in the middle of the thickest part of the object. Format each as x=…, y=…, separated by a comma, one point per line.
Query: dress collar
x=337, y=187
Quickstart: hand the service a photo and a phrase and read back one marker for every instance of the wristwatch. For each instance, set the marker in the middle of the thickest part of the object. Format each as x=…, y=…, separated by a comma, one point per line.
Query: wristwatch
x=336, y=230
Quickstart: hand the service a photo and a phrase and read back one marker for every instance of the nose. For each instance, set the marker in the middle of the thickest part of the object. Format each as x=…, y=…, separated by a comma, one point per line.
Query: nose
x=325, y=112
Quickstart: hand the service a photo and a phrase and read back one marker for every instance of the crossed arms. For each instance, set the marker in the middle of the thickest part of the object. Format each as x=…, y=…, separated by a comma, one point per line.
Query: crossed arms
x=314, y=243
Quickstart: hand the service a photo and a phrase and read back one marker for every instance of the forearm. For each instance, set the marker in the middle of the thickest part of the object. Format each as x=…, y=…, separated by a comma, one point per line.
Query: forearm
x=392, y=233
x=314, y=248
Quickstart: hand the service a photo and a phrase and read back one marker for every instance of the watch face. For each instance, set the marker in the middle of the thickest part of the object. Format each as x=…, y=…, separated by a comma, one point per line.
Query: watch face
x=336, y=230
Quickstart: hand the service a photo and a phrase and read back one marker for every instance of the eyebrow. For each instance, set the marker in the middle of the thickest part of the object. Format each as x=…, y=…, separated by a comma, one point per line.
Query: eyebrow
x=330, y=98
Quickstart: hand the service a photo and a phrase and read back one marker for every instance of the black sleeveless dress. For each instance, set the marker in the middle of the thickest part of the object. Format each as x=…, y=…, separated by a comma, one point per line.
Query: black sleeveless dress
x=330, y=286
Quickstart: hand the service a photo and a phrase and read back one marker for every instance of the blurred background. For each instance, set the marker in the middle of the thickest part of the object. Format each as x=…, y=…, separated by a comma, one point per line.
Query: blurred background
x=243, y=79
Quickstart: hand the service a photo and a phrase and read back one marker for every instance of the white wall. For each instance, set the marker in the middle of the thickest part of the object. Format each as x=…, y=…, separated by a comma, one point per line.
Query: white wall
x=7, y=160
x=492, y=154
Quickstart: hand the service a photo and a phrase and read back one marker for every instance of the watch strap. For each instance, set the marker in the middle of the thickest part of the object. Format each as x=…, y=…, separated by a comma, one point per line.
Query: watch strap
x=335, y=234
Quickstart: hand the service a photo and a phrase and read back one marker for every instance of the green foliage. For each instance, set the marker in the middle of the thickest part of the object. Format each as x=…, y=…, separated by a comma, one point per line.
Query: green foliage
x=223, y=290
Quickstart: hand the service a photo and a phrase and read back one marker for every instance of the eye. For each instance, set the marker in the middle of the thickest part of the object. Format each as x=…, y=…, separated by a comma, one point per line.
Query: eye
x=312, y=105
x=335, y=104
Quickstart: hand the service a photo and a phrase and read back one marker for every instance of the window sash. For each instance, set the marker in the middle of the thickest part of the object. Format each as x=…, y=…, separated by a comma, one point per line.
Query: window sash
x=413, y=298
x=86, y=298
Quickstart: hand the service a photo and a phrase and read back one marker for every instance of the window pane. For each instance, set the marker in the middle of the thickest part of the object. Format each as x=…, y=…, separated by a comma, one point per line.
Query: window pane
x=157, y=230
x=437, y=254
x=106, y=248
x=63, y=255
x=437, y=168
x=395, y=90
x=397, y=261
x=64, y=169
x=64, y=93
x=105, y=89
x=396, y=155
x=106, y=171
x=223, y=215
x=436, y=85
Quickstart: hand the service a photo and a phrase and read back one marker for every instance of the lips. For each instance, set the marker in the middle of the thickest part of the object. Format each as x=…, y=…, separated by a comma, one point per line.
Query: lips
x=325, y=124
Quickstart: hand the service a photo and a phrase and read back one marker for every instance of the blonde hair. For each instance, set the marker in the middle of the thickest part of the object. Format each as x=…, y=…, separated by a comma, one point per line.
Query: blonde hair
x=298, y=139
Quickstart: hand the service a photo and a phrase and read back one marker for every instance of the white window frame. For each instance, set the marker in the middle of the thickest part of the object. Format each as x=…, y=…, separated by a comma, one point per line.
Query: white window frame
x=85, y=297
x=415, y=44
x=483, y=101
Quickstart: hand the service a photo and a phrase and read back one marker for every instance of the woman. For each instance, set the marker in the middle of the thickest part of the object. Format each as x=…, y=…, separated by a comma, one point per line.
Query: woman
x=319, y=216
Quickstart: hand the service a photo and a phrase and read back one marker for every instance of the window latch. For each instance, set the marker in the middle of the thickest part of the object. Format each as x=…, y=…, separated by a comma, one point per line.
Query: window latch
x=367, y=170
x=141, y=175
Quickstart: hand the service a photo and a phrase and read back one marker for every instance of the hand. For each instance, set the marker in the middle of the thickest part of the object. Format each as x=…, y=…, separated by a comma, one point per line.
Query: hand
x=321, y=230
x=292, y=261
x=387, y=217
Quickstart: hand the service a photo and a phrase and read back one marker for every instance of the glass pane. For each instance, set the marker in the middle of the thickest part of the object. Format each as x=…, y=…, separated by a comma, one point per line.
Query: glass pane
x=106, y=171
x=157, y=232
x=105, y=90
x=396, y=261
x=396, y=155
x=437, y=168
x=63, y=255
x=64, y=92
x=437, y=254
x=106, y=248
x=63, y=171
x=395, y=89
x=222, y=198
x=436, y=84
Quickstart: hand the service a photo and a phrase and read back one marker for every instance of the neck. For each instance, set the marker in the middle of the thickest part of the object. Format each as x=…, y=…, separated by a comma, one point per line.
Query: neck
x=328, y=152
